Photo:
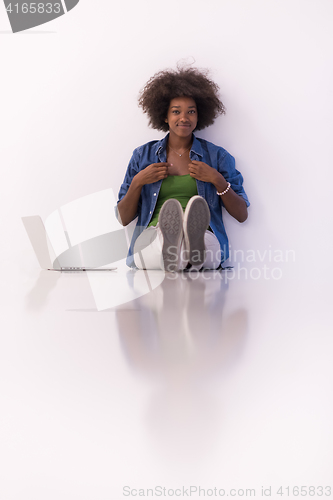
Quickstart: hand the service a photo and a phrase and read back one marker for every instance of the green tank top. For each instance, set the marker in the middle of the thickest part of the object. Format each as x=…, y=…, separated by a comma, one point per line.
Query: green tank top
x=180, y=187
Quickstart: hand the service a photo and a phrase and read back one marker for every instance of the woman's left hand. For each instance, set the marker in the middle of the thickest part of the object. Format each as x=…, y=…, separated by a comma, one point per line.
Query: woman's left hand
x=201, y=171
x=232, y=202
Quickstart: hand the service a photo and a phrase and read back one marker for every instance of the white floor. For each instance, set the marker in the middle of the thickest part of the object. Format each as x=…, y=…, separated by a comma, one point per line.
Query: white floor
x=207, y=380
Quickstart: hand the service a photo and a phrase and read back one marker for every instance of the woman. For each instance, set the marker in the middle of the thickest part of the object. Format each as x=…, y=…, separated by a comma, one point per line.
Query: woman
x=177, y=186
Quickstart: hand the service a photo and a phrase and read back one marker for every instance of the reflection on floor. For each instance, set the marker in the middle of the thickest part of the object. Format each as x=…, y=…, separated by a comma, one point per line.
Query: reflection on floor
x=165, y=379
x=181, y=337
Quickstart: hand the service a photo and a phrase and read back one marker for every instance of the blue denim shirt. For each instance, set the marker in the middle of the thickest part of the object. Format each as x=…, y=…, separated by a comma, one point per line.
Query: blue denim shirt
x=214, y=156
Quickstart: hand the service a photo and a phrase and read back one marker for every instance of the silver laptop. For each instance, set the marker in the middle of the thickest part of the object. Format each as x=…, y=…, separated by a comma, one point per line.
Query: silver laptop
x=86, y=256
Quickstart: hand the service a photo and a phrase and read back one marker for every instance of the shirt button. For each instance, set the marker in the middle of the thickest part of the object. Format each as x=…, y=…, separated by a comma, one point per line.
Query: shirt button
x=150, y=212
x=154, y=194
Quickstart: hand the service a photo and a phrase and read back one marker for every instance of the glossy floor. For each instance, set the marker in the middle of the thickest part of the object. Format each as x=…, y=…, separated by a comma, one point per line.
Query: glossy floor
x=125, y=381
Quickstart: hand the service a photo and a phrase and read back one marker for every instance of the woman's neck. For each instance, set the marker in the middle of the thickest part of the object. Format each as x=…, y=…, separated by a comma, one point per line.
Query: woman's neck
x=180, y=143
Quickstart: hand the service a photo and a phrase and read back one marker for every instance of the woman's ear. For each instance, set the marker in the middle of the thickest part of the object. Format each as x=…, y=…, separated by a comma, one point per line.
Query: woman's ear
x=166, y=120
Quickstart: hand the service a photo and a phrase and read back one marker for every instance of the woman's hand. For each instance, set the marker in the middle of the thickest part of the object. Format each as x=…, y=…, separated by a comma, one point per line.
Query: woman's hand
x=153, y=173
x=128, y=206
x=201, y=171
x=233, y=203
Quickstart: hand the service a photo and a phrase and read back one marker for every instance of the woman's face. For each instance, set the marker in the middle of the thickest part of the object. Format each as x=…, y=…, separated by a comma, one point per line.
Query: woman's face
x=182, y=116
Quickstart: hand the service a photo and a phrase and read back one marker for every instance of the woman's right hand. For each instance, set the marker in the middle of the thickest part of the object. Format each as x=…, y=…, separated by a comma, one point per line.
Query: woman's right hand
x=153, y=173
x=128, y=206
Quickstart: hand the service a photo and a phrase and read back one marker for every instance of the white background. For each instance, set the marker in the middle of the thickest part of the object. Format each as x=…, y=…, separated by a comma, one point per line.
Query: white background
x=70, y=120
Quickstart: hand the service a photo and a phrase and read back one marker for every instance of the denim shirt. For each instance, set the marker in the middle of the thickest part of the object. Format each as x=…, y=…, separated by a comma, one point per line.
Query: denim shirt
x=201, y=150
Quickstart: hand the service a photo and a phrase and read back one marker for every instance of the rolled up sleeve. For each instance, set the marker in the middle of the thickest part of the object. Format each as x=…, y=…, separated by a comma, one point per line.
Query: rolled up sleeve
x=226, y=166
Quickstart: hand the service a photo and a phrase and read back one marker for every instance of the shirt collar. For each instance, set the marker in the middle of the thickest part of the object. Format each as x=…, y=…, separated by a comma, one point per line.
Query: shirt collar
x=162, y=144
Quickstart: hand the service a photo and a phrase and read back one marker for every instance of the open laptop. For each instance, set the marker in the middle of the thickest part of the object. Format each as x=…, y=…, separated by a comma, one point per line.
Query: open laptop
x=86, y=256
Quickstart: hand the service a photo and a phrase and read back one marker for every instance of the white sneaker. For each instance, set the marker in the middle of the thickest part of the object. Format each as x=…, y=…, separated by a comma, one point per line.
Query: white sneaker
x=196, y=222
x=170, y=221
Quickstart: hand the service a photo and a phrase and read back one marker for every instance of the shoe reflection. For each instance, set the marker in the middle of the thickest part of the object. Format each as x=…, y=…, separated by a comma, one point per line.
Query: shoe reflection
x=183, y=337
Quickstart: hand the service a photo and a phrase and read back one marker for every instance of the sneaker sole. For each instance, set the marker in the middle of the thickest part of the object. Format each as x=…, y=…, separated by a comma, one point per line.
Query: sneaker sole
x=196, y=222
x=171, y=225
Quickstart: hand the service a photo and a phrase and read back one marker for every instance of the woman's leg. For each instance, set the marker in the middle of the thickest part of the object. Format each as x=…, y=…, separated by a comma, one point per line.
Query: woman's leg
x=148, y=249
x=170, y=222
x=213, y=251
x=164, y=247
x=196, y=222
x=160, y=247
